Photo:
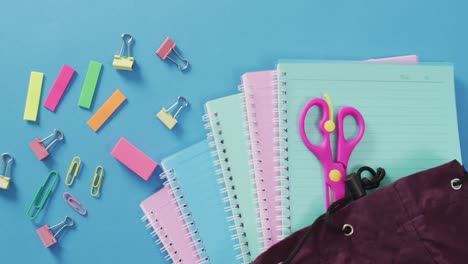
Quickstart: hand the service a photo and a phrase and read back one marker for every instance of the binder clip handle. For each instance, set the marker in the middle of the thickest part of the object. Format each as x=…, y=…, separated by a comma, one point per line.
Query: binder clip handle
x=63, y=225
x=186, y=62
x=183, y=103
x=53, y=135
x=126, y=43
x=8, y=159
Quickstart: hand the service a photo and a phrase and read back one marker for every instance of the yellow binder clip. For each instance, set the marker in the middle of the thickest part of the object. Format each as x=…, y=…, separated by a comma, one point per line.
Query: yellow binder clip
x=74, y=169
x=97, y=181
x=165, y=116
x=4, y=176
x=124, y=62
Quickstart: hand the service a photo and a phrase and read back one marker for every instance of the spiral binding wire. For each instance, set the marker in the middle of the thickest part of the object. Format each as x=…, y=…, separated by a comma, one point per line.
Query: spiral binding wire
x=282, y=155
x=225, y=179
x=183, y=209
x=163, y=238
x=256, y=168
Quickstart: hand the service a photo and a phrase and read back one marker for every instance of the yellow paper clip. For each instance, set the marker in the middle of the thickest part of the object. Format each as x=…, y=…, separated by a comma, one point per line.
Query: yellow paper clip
x=165, y=115
x=124, y=62
x=74, y=169
x=96, y=185
x=4, y=176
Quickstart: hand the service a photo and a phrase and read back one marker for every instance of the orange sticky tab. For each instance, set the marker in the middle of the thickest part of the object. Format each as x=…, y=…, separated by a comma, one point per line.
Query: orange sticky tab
x=106, y=110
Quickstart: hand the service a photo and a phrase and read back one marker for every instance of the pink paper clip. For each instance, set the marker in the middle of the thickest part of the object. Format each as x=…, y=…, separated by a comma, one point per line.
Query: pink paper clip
x=134, y=159
x=42, y=151
x=166, y=48
x=74, y=203
x=45, y=232
x=59, y=87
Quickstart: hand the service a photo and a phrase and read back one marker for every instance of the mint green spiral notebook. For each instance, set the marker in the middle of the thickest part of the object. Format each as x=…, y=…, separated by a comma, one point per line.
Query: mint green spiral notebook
x=410, y=116
x=226, y=125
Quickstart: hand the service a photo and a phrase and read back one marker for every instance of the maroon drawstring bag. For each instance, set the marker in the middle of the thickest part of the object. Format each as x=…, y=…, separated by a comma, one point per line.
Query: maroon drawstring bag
x=422, y=218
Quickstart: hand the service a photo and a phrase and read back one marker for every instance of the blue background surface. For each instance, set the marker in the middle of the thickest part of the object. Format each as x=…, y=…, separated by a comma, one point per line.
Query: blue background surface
x=222, y=40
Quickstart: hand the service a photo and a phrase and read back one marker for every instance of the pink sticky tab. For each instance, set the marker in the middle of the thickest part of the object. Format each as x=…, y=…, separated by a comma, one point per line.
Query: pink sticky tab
x=46, y=236
x=134, y=159
x=39, y=149
x=59, y=87
x=166, y=48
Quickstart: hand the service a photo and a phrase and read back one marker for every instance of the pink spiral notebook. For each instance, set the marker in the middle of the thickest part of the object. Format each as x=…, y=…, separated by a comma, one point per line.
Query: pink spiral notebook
x=259, y=98
x=261, y=107
x=167, y=222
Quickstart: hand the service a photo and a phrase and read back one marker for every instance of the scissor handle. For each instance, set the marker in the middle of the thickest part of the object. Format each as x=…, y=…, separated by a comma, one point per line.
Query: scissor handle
x=322, y=150
x=345, y=147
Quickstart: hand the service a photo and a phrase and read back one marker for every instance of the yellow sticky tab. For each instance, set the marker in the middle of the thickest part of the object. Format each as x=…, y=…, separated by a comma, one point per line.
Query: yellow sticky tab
x=123, y=63
x=34, y=96
x=166, y=118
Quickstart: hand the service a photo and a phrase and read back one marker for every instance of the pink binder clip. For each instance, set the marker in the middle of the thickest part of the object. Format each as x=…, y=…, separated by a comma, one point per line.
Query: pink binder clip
x=134, y=159
x=40, y=149
x=166, y=48
x=45, y=232
x=74, y=203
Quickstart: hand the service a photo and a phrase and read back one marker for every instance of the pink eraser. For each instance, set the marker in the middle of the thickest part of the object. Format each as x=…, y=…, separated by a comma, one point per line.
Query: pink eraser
x=39, y=149
x=59, y=87
x=134, y=159
x=46, y=236
x=166, y=48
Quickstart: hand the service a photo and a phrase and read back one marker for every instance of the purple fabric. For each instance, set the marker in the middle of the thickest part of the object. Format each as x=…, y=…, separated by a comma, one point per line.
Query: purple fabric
x=418, y=219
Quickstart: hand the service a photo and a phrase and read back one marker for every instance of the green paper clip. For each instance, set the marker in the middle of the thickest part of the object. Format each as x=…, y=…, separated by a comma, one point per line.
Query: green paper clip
x=45, y=196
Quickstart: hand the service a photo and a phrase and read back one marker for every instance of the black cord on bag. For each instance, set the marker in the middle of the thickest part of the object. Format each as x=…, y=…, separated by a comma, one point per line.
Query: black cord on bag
x=365, y=184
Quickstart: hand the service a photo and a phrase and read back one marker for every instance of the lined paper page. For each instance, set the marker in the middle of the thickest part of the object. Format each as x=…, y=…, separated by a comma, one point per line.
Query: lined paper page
x=410, y=116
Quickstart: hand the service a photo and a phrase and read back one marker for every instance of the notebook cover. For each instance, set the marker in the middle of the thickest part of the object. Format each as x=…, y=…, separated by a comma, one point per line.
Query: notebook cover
x=409, y=111
x=164, y=217
x=190, y=173
x=227, y=132
x=260, y=107
x=259, y=93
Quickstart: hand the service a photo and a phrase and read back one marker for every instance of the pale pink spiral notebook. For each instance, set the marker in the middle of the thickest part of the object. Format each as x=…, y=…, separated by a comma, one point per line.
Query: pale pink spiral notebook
x=259, y=94
x=261, y=107
x=164, y=216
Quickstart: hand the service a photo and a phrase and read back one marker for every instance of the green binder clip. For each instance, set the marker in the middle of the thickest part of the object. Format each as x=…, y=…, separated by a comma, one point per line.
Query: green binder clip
x=37, y=207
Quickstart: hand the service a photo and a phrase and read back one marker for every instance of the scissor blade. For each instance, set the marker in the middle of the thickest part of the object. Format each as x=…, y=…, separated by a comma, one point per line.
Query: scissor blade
x=331, y=196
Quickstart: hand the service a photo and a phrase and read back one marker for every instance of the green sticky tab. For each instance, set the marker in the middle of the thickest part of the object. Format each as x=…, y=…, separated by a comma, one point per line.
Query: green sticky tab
x=34, y=96
x=90, y=83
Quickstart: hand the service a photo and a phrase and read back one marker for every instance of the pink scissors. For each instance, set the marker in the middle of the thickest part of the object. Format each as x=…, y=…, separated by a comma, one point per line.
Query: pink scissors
x=335, y=171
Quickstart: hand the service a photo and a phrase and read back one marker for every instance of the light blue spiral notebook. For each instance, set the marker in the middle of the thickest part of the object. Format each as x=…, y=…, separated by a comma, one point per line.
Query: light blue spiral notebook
x=191, y=176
